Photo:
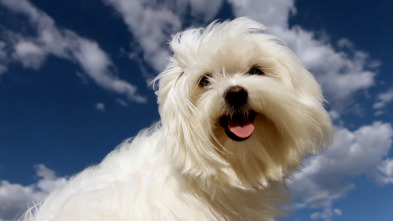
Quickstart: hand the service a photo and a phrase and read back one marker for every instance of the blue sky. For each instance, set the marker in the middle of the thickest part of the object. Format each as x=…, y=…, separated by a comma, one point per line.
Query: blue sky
x=74, y=83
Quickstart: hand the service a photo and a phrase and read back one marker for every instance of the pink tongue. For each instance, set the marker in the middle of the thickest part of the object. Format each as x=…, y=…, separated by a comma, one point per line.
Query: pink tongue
x=242, y=128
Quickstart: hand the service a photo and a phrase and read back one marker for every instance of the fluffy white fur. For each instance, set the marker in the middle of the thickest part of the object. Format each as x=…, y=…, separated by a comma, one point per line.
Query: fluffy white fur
x=186, y=167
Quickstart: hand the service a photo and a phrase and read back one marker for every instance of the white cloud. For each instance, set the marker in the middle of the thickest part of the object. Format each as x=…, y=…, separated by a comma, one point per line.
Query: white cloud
x=30, y=54
x=3, y=58
x=31, y=51
x=326, y=214
x=386, y=172
x=383, y=99
x=379, y=104
x=100, y=106
x=205, y=9
x=326, y=177
x=96, y=64
x=121, y=102
x=337, y=212
x=344, y=43
x=334, y=115
x=153, y=22
x=341, y=74
x=272, y=13
x=16, y=198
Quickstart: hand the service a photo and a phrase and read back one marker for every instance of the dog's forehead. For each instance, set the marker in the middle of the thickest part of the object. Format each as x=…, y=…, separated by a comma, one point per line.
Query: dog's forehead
x=227, y=55
x=231, y=52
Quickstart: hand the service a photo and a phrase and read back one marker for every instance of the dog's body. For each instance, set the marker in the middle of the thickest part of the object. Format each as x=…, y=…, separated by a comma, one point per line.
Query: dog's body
x=238, y=114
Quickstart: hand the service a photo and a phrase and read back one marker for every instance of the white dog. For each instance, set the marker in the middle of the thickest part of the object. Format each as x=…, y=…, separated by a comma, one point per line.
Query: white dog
x=238, y=114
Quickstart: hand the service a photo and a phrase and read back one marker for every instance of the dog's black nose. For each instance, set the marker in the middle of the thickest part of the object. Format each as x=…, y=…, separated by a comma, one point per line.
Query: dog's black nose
x=236, y=96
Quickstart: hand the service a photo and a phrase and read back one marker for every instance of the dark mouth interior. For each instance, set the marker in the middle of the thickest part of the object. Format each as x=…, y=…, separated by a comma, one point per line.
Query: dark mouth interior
x=238, y=118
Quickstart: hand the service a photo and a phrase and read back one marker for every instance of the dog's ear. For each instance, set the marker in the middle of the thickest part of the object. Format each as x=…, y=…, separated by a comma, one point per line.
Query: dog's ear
x=310, y=94
x=186, y=133
x=166, y=80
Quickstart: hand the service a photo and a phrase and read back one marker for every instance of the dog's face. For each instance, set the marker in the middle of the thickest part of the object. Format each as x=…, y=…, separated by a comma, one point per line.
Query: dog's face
x=237, y=104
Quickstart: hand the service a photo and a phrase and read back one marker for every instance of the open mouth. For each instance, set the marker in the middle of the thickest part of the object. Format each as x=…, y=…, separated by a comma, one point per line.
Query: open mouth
x=239, y=126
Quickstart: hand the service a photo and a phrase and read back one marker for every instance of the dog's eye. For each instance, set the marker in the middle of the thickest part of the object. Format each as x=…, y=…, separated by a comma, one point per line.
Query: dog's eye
x=255, y=70
x=204, y=81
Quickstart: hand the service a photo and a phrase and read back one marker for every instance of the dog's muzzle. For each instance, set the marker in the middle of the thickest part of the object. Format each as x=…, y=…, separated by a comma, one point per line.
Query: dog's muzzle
x=238, y=124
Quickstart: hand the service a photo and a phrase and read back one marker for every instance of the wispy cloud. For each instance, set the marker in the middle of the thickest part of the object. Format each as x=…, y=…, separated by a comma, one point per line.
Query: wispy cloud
x=326, y=214
x=121, y=102
x=29, y=54
x=333, y=69
x=15, y=198
x=31, y=51
x=3, y=58
x=100, y=106
x=273, y=13
x=153, y=22
x=326, y=177
x=386, y=172
x=382, y=100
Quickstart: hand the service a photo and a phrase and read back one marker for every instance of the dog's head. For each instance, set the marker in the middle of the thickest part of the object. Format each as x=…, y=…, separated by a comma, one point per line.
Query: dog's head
x=237, y=105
